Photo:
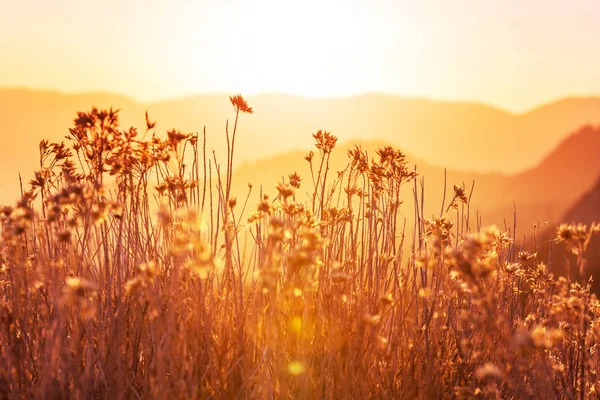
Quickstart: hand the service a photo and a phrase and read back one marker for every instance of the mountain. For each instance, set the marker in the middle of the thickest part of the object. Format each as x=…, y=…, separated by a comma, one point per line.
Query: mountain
x=562, y=262
x=465, y=136
x=560, y=186
x=539, y=194
x=27, y=117
x=459, y=136
x=546, y=191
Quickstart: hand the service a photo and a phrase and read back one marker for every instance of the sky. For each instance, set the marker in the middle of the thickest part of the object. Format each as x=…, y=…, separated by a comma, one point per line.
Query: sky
x=514, y=54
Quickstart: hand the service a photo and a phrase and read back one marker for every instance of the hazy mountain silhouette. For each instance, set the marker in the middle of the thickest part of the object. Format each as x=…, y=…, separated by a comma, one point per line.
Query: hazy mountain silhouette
x=540, y=194
x=27, y=117
x=585, y=210
x=467, y=136
x=459, y=136
x=545, y=192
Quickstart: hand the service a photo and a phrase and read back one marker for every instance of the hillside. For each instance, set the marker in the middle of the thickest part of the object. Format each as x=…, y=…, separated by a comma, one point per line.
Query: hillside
x=456, y=135
x=539, y=193
x=428, y=131
x=586, y=211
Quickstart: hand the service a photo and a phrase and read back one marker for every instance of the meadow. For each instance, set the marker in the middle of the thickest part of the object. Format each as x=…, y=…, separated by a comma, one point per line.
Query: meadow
x=130, y=269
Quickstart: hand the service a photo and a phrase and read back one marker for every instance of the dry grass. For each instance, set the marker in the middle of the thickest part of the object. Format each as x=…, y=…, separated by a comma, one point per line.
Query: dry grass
x=304, y=297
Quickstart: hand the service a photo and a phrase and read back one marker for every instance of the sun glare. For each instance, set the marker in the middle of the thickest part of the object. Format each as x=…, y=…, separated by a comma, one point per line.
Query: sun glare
x=309, y=49
x=304, y=53
x=275, y=199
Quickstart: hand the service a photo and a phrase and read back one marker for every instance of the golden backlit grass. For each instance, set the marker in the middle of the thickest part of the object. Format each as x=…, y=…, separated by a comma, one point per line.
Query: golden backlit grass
x=302, y=296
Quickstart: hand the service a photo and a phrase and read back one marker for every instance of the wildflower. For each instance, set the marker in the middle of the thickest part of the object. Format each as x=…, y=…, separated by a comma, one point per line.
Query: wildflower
x=117, y=210
x=459, y=193
x=525, y=256
x=277, y=223
x=440, y=228
x=239, y=104
x=544, y=338
x=232, y=202
x=264, y=207
x=165, y=218
x=564, y=233
x=175, y=137
x=80, y=292
x=381, y=342
x=40, y=178
x=576, y=237
x=358, y=159
x=309, y=156
x=149, y=124
x=80, y=286
x=285, y=191
x=488, y=371
x=295, y=180
x=148, y=270
x=325, y=141
x=63, y=235
x=43, y=146
x=132, y=285
x=483, y=268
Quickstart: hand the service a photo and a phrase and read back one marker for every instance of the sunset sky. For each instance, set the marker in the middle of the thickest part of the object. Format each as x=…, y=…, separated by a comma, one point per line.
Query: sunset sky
x=512, y=54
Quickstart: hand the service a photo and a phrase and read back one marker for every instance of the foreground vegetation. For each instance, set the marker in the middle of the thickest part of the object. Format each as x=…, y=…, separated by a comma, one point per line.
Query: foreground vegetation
x=130, y=270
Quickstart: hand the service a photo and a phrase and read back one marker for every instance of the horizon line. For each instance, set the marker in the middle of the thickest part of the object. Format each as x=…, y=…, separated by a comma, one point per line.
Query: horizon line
x=304, y=97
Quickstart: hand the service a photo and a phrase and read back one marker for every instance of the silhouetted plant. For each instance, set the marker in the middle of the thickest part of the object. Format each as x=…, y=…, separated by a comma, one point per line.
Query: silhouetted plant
x=130, y=270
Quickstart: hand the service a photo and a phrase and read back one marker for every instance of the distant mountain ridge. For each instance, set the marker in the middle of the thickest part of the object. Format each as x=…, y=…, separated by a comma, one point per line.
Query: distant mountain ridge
x=585, y=210
x=541, y=193
x=434, y=130
x=459, y=136
x=553, y=151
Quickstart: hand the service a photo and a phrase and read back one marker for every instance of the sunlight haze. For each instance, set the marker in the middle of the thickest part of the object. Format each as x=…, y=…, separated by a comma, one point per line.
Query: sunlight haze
x=313, y=199
x=515, y=57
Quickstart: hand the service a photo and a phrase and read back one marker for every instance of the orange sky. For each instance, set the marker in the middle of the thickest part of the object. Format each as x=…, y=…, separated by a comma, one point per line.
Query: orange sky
x=512, y=53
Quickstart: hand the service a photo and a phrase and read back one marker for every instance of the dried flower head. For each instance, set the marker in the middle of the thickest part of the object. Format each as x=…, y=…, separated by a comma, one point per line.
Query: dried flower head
x=239, y=104
x=325, y=141
x=309, y=156
x=459, y=193
x=295, y=180
x=488, y=371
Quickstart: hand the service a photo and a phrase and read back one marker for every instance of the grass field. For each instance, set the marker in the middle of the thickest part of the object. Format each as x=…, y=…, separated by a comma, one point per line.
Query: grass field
x=129, y=269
